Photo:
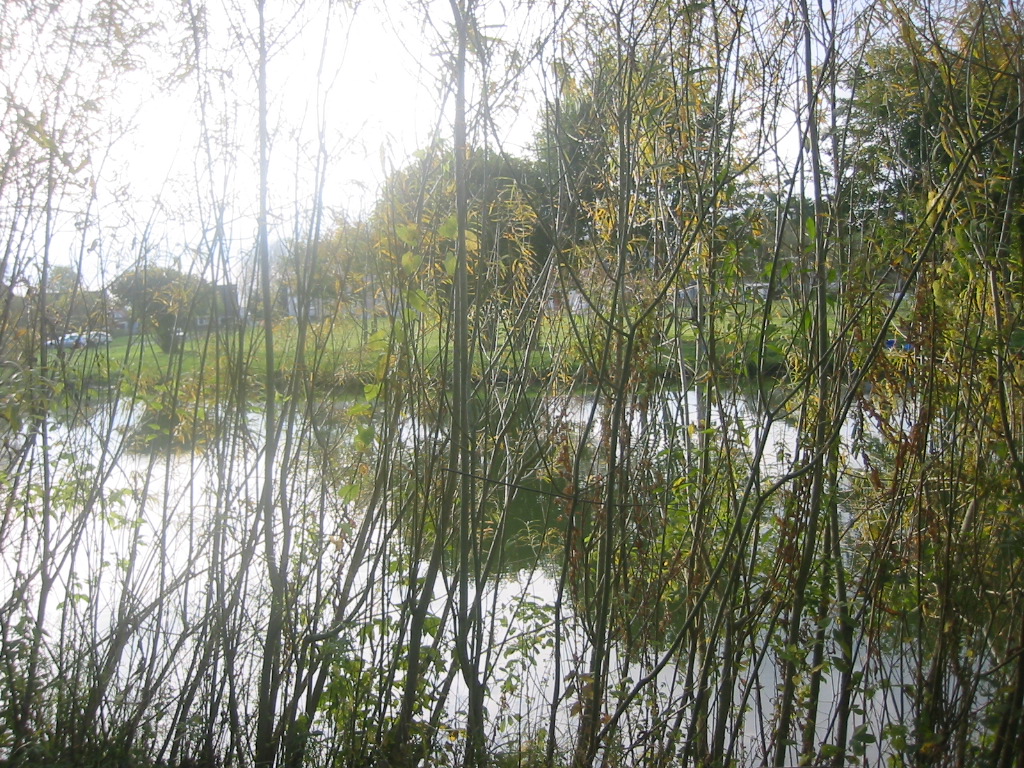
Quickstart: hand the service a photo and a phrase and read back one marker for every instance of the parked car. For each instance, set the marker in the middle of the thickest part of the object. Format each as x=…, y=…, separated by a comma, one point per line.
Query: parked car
x=97, y=338
x=68, y=341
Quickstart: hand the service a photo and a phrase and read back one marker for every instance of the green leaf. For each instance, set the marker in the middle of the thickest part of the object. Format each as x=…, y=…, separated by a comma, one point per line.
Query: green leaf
x=450, y=229
x=861, y=739
x=419, y=300
x=363, y=409
x=408, y=234
x=365, y=437
x=830, y=751
x=411, y=262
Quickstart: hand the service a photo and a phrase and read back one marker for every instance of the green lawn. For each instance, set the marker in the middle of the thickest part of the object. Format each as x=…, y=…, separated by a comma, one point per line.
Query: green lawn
x=339, y=354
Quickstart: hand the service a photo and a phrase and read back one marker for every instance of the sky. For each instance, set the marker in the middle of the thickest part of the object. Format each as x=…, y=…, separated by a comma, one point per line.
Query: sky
x=372, y=77
x=374, y=96
x=366, y=76
x=369, y=80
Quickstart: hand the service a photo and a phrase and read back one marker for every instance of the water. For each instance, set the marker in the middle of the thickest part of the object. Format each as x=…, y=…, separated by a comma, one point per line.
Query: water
x=157, y=562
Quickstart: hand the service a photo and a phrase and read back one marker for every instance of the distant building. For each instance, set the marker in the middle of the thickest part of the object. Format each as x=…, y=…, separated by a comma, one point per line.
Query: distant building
x=756, y=290
x=225, y=311
x=311, y=307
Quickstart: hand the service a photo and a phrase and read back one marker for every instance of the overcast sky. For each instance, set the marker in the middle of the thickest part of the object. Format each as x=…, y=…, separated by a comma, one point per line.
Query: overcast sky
x=371, y=80
x=171, y=146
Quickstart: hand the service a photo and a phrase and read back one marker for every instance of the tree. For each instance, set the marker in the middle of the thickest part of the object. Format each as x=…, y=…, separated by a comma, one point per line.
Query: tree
x=162, y=298
x=416, y=220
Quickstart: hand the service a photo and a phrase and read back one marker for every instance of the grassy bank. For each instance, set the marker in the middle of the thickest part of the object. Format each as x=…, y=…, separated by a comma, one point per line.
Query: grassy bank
x=345, y=355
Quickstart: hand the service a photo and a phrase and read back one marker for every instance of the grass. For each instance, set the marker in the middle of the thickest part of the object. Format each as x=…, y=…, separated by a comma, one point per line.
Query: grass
x=340, y=355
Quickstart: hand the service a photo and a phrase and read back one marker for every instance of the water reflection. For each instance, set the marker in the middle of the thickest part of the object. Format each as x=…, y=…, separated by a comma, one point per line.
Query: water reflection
x=156, y=559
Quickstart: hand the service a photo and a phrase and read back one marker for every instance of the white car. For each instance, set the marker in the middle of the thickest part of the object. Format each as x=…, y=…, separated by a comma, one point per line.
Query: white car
x=68, y=341
x=96, y=338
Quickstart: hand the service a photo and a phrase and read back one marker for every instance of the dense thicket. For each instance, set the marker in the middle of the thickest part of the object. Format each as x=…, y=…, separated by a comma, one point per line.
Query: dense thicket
x=690, y=434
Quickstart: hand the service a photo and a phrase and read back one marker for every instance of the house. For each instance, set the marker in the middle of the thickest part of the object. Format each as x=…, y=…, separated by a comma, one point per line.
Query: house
x=223, y=310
